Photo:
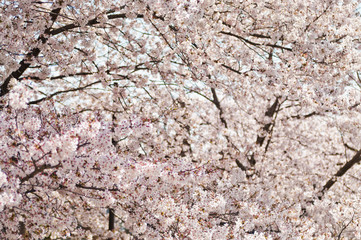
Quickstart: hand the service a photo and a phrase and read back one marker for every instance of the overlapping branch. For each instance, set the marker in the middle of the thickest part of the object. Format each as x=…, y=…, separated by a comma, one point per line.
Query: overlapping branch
x=24, y=64
x=245, y=40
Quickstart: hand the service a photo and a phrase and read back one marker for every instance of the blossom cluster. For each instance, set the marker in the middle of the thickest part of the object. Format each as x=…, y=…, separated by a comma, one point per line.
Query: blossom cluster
x=179, y=119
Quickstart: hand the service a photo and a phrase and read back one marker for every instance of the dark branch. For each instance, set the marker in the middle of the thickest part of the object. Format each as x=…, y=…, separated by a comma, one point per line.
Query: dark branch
x=231, y=69
x=37, y=171
x=60, y=76
x=349, y=147
x=24, y=64
x=240, y=165
x=95, y=21
x=63, y=91
x=96, y=188
x=111, y=219
x=270, y=112
x=218, y=105
x=259, y=35
x=356, y=159
x=254, y=43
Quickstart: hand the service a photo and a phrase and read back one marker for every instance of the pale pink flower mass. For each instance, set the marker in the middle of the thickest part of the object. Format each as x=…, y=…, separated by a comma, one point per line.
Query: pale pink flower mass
x=173, y=119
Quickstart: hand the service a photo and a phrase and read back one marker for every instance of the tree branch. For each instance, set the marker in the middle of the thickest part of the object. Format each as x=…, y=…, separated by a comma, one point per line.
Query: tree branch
x=24, y=64
x=270, y=112
x=218, y=105
x=95, y=21
x=63, y=91
x=37, y=171
x=254, y=43
x=96, y=188
x=348, y=165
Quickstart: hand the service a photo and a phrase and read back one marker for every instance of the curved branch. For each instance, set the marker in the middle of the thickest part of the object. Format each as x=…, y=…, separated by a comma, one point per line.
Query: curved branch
x=254, y=43
x=95, y=21
x=24, y=64
x=63, y=91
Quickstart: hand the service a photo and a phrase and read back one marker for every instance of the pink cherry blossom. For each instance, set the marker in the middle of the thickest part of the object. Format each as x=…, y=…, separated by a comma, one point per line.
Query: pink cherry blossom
x=180, y=119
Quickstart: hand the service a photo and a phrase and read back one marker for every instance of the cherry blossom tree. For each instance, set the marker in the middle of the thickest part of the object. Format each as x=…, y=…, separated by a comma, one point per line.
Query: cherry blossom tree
x=154, y=119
